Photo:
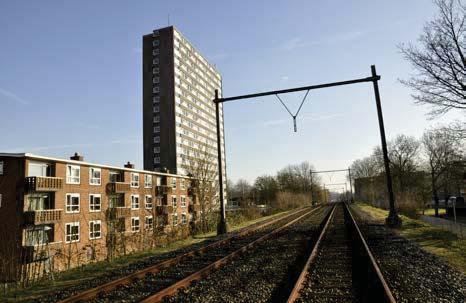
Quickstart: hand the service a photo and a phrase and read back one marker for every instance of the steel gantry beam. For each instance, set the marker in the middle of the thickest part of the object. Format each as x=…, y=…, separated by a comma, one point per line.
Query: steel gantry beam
x=392, y=219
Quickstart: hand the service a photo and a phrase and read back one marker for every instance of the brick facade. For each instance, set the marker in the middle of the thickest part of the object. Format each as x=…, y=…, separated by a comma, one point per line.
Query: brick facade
x=48, y=222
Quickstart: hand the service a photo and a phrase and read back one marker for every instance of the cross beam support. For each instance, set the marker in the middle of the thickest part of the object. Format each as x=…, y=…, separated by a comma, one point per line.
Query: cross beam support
x=392, y=219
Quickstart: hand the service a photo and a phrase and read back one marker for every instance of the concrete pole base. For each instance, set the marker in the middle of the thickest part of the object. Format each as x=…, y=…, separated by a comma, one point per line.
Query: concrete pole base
x=393, y=220
x=222, y=228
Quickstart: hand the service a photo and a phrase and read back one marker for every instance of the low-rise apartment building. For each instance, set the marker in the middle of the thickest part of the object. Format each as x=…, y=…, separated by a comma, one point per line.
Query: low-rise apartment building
x=57, y=213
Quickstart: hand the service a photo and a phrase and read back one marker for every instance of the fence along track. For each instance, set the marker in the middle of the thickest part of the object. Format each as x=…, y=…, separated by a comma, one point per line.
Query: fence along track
x=112, y=285
x=173, y=289
x=371, y=285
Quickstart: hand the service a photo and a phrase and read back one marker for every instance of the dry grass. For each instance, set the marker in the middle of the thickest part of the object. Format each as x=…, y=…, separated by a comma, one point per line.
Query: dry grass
x=435, y=240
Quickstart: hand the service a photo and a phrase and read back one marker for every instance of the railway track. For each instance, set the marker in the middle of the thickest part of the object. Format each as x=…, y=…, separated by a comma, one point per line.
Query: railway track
x=341, y=267
x=165, y=278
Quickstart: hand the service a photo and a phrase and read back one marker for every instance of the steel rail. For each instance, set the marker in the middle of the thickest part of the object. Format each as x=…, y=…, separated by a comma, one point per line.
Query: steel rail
x=388, y=295
x=173, y=289
x=300, y=283
x=112, y=285
x=312, y=257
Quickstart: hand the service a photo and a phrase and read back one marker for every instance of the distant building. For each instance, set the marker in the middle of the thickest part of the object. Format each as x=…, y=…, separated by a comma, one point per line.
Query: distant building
x=58, y=213
x=179, y=124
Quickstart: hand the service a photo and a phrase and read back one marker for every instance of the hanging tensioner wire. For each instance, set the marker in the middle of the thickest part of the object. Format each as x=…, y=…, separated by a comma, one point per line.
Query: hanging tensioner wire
x=297, y=112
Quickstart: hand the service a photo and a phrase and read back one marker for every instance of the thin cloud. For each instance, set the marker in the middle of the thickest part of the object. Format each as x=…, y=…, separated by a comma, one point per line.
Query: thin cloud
x=274, y=122
x=298, y=42
x=13, y=97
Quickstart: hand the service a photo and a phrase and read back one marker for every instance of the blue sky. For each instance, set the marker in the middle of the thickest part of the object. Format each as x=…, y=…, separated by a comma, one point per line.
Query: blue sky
x=71, y=79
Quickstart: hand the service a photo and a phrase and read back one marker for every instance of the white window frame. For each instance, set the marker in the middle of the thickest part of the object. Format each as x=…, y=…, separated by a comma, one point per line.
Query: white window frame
x=151, y=203
x=72, y=179
x=135, y=228
x=70, y=206
x=174, y=201
x=135, y=181
x=183, y=201
x=133, y=204
x=175, y=222
x=92, y=179
x=157, y=139
x=92, y=231
x=72, y=224
x=157, y=160
x=148, y=226
x=147, y=181
x=183, y=184
x=173, y=182
x=92, y=204
x=184, y=219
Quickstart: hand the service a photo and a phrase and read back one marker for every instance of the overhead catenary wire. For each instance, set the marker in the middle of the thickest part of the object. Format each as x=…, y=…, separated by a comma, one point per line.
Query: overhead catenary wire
x=297, y=112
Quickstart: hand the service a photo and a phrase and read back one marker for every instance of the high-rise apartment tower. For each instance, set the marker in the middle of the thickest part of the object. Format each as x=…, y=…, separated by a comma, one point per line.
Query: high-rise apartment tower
x=179, y=85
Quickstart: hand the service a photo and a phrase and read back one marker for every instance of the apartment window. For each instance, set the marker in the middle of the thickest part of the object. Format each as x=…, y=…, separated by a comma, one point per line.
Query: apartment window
x=184, y=219
x=183, y=184
x=156, y=119
x=157, y=150
x=73, y=174
x=115, y=176
x=1, y=196
x=156, y=108
x=156, y=80
x=156, y=129
x=72, y=203
x=36, y=169
x=157, y=160
x=135, y=224
x=149, y=223
x=183, y=201
x=174, y=201
x=134, y=201
x=155, y=61
x=95, y=202
x=175, y=219
x=94, y=176
x=134, y=180
x=148, y=201
x=174, y=182
x=72, y=232
x=155, y=70
x=2, y=165
x=155, y=42
x=157, y=139
x=95, y=229
x=147, y=181
x=155, y=89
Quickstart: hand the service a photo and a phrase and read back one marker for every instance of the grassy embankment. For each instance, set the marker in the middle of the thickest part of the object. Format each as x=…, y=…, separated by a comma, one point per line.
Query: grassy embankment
x=435, y=240
x=94, y=270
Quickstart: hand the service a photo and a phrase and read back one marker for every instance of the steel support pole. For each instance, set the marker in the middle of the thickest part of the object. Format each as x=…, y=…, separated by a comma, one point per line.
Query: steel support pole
x=312, y=198
x=393, y=219
x=350, y=184
x=222, y=224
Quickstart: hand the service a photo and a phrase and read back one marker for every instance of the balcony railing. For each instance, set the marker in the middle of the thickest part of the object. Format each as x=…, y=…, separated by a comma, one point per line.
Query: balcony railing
x=163, y=190
x=118, y=212
x=118, y=187
x=44, y=183
x=164, y=209
x=43, y=216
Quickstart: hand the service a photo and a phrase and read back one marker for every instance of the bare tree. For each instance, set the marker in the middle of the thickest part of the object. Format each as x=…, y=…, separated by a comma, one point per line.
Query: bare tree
x=365, y=168
x=403, y=154
x=440, y=63
x=202, y=167
x=243, y=189
x=442, y=150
